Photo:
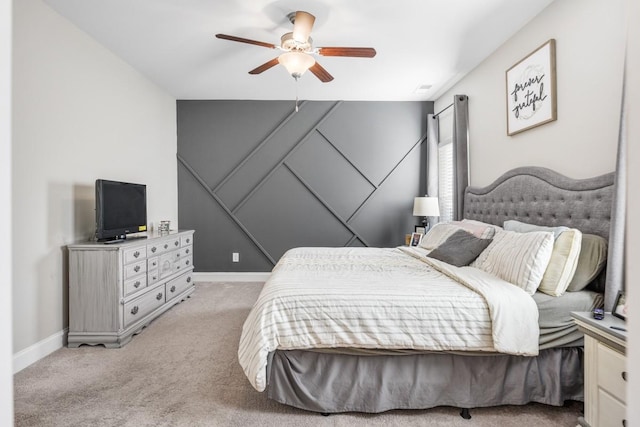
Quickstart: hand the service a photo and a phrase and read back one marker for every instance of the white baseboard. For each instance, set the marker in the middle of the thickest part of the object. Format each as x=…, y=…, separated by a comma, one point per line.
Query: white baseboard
x=45, y=347
x=37, y=351
x=230, y=277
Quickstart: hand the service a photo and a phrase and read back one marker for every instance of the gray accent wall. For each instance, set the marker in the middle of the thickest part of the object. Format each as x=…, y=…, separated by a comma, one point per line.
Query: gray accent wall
x=258, y=178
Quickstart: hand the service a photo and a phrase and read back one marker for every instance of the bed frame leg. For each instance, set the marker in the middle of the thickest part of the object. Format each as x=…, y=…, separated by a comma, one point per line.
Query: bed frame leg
x=464, y=413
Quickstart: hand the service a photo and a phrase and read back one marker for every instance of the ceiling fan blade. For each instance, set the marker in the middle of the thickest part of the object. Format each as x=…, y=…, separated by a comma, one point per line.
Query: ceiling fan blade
x=302, y=25
x=264, y=67
x=248, y=41
x=357, y=52
x=321, y=73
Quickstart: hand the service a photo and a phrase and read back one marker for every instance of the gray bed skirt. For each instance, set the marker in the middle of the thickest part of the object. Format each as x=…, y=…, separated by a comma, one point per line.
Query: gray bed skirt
x=330, y=383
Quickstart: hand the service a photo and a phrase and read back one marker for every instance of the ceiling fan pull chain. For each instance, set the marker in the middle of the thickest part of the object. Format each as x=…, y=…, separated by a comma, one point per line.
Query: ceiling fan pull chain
x=296, y=94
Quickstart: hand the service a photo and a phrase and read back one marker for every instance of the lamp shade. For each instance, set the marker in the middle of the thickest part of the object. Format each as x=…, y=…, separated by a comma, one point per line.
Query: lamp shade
x=296, y=63
x=426, y=206
x=302, y=25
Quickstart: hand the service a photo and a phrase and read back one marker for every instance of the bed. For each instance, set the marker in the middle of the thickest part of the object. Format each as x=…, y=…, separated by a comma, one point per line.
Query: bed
x=489, y=343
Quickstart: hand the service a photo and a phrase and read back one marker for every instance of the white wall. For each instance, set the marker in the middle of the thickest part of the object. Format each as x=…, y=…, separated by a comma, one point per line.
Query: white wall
x=589, y=56
x=6, y=371
x=79, y=113
x=632, y=99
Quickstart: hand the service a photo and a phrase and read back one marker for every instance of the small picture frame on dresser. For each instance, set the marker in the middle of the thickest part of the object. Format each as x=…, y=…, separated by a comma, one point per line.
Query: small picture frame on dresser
x=620, y=307
x=415, y=239
x=420, y=229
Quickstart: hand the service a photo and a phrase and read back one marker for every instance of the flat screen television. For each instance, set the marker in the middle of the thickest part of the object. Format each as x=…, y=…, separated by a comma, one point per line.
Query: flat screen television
x=121, y=209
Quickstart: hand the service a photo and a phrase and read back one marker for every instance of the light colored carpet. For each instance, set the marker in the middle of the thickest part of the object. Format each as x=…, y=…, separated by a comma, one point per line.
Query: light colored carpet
x=182, y=370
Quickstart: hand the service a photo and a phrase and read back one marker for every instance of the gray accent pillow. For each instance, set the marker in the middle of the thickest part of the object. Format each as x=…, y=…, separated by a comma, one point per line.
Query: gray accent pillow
x=591, y=261
x=460, y=249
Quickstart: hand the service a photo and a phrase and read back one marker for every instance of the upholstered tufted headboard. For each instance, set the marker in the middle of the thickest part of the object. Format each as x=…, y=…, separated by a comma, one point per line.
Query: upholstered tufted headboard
x=541, y=196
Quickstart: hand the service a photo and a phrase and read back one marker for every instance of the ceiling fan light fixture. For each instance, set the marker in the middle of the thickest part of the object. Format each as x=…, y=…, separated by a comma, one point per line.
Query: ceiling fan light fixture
x=302, y=24
x=296, y=63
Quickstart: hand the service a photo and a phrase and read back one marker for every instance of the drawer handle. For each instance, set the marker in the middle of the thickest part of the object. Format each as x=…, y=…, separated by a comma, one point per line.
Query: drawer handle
x=137, y=284
x=166, y=245
x=188, y=240
x=624, y=423
x=159, y=296
x=177, y=267
x=154, y=277
x=189, y=279
x=176, y=243
x=154, y=249
x=187, y=251
x=187, y=262
x=136, y=268
x=624, y=375
x=178, y=255
x=154, y=263
x=136, y=254
x=134, y=310
x=173, y=289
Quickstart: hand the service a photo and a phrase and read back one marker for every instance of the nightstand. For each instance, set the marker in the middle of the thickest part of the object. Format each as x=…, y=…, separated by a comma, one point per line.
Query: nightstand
x=605, y=374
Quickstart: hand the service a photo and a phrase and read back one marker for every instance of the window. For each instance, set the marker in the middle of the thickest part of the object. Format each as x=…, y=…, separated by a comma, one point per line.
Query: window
x=445, y=180
x=445, y=165
x=449, y=156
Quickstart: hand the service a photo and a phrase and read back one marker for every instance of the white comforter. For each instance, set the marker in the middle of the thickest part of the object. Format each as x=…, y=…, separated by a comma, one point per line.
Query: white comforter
x=383, y=298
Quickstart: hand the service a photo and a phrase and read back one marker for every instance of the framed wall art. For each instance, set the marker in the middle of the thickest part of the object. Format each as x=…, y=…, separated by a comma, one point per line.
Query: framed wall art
x=531, y=90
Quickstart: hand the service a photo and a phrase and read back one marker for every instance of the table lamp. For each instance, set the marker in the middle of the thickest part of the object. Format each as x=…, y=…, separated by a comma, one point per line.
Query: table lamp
x=426, y=207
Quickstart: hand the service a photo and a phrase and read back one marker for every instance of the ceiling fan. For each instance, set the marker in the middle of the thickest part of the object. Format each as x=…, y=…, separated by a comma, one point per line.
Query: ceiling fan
x=298, y=49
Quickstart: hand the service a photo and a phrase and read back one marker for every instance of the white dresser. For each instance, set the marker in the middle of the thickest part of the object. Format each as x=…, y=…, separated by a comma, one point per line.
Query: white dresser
x=605, y=373
x=117, y=289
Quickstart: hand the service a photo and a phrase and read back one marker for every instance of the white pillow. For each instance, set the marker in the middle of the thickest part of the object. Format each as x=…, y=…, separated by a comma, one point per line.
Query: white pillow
x=437, y=235
x=564, y=258
x=474, y=223
x=563, y=263
x=523, y=227
x=479, y=229
x=518, y=258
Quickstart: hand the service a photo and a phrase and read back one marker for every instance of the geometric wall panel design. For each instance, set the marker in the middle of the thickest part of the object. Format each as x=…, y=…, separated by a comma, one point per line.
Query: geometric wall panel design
x=330, y=171
x=258, y=178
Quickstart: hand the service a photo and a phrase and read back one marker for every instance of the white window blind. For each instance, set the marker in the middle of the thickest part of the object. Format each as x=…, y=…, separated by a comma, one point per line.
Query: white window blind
x=445, y=180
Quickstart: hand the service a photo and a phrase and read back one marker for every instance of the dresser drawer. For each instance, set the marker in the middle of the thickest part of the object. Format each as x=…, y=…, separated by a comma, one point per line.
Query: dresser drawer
x=178, y=285
x=174, y=243
x=153, y=275
x=186, y=240
x=134, y=285
x=135, y=254
x=612, y=372
x=138, y=308
x=156, y=248
x=134, y=269
x=183, y=264
x=184, y=252
x=163, y=246
x=611, y=411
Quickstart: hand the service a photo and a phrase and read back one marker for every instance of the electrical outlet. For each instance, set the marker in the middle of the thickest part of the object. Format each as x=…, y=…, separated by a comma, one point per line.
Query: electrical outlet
x=235, y=257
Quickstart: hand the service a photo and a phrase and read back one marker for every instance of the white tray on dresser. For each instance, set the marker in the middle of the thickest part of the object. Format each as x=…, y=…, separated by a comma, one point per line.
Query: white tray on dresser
x=115, y=290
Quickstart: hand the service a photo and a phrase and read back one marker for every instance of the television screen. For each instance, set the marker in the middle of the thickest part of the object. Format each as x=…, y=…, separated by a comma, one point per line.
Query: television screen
x=121, y=208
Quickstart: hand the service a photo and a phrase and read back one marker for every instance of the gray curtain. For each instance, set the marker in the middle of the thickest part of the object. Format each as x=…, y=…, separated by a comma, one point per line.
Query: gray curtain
x=616, y=257
x=433, y=139
x=460, y=152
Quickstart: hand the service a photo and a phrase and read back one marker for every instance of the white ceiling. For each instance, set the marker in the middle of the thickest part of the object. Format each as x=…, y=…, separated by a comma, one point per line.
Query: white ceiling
x=419, y=42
